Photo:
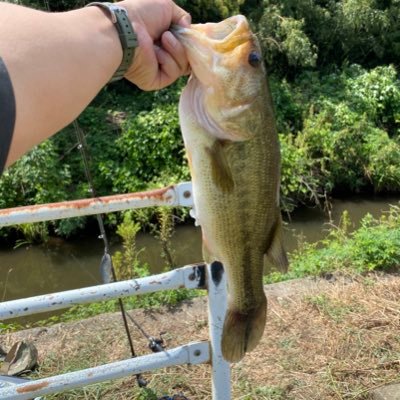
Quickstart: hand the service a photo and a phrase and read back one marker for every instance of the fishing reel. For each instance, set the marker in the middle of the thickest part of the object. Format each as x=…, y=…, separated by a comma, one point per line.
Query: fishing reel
x=157, y=345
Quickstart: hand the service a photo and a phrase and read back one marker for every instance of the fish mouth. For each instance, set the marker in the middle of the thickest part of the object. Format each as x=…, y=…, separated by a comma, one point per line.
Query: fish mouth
x=222, y=36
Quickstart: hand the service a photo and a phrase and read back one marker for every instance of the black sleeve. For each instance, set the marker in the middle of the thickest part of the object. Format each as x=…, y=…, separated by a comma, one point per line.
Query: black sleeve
x=7, y=114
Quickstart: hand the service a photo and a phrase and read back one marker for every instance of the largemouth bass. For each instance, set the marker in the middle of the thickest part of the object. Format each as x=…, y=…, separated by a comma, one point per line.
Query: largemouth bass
x=228, y=127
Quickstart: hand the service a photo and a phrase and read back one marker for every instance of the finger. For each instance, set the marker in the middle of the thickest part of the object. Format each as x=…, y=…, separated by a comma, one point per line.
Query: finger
x=169, y=69
x=172, y=45
x=180, y=16
x=144, y=68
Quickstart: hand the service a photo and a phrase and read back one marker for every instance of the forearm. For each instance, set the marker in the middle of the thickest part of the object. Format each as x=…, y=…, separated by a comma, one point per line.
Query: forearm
x=57, y=63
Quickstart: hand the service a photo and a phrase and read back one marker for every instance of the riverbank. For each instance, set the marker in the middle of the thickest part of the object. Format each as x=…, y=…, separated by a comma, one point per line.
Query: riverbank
x=335, y=338
x=62, y=265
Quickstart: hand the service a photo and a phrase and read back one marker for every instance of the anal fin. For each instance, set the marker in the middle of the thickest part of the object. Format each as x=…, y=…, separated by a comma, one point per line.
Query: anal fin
x=276, y=253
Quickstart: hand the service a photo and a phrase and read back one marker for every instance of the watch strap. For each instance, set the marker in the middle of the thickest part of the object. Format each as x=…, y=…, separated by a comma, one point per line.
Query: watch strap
x=127, y=35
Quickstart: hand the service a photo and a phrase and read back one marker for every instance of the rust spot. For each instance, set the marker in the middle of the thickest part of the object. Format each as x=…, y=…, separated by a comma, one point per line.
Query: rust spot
x=157, y=194
x=33, y=387
x=155, y=282
x=90, y=374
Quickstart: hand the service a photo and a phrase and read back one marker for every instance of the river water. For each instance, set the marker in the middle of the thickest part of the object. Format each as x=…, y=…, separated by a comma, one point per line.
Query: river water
x=62, y=265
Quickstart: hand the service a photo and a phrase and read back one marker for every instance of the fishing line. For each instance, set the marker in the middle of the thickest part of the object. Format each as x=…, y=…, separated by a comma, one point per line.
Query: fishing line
x=106, y=266
x=155, y=344
x=5, y=284
x=83, y=269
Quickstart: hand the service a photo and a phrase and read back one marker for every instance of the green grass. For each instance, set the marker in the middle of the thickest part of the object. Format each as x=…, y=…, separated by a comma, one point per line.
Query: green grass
x=333, y=309
x=374, y=246
x=261, y=392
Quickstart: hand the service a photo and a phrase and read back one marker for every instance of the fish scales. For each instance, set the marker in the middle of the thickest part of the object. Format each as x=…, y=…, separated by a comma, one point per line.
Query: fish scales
x=232, y=146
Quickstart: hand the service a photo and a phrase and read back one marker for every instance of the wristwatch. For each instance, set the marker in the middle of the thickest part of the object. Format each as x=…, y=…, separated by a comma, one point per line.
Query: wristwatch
x=127, y=35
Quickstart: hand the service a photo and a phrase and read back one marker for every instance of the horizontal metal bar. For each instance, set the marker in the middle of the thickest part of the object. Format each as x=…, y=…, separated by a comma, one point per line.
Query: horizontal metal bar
x=194, y=353
x=7, y=381
x=175, y=195
x=190, y=277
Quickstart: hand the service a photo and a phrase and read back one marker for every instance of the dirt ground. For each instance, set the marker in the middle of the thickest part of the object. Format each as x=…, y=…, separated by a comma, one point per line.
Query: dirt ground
x=334, y=338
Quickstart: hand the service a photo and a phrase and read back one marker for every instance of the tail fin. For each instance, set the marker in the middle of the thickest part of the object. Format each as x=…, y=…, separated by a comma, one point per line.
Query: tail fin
x=242, y=332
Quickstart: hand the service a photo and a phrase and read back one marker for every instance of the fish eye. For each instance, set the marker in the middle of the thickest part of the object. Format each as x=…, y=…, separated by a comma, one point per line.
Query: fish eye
x=254, y=59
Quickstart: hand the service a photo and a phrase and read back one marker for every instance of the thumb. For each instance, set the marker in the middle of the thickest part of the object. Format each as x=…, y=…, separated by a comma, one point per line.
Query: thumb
x=180, y=16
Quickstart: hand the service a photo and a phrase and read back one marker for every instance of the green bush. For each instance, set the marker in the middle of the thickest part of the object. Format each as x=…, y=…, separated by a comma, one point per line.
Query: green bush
x=348, y=138
x=299, y=180
x=376, y=93
x=305, y=33
x=374, y=246
x=151, y=147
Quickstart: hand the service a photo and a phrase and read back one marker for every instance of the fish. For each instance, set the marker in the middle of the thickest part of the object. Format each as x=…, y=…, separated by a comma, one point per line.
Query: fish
x=228, y=127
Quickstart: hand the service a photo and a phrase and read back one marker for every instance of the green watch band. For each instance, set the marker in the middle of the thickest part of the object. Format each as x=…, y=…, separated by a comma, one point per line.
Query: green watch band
x=127, y=36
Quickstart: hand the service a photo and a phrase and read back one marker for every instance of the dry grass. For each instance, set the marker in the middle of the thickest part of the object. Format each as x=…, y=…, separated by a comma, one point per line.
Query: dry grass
x=334, y=345
x=322, y=341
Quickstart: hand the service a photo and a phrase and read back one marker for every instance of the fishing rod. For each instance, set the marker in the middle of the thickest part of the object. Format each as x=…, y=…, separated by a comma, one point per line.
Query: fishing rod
x=106, y=265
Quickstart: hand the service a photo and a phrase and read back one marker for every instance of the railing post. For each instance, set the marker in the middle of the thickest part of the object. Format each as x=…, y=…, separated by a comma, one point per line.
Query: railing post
x=217, y=303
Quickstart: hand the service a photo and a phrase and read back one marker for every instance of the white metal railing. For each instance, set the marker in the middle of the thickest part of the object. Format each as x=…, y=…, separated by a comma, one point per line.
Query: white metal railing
x=210, y=277
x=175, y=195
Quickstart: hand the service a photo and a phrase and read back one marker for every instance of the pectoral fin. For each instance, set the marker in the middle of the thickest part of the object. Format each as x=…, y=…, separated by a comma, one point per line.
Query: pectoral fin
x=276, y=253
x=220, y=170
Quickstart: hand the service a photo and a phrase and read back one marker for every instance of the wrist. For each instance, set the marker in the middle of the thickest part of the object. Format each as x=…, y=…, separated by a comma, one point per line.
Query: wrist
x=127, y=36
x=104, y=39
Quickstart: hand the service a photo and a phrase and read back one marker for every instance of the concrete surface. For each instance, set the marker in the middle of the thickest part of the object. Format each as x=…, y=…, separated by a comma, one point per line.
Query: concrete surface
x=391, y=392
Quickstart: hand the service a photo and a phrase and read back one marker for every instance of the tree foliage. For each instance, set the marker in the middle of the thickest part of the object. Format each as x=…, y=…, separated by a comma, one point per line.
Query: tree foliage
x=304, y=33
x=201, y=10
x=348, y=137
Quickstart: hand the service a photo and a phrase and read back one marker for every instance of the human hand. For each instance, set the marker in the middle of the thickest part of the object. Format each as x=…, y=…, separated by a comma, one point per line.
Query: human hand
x=160, y=59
